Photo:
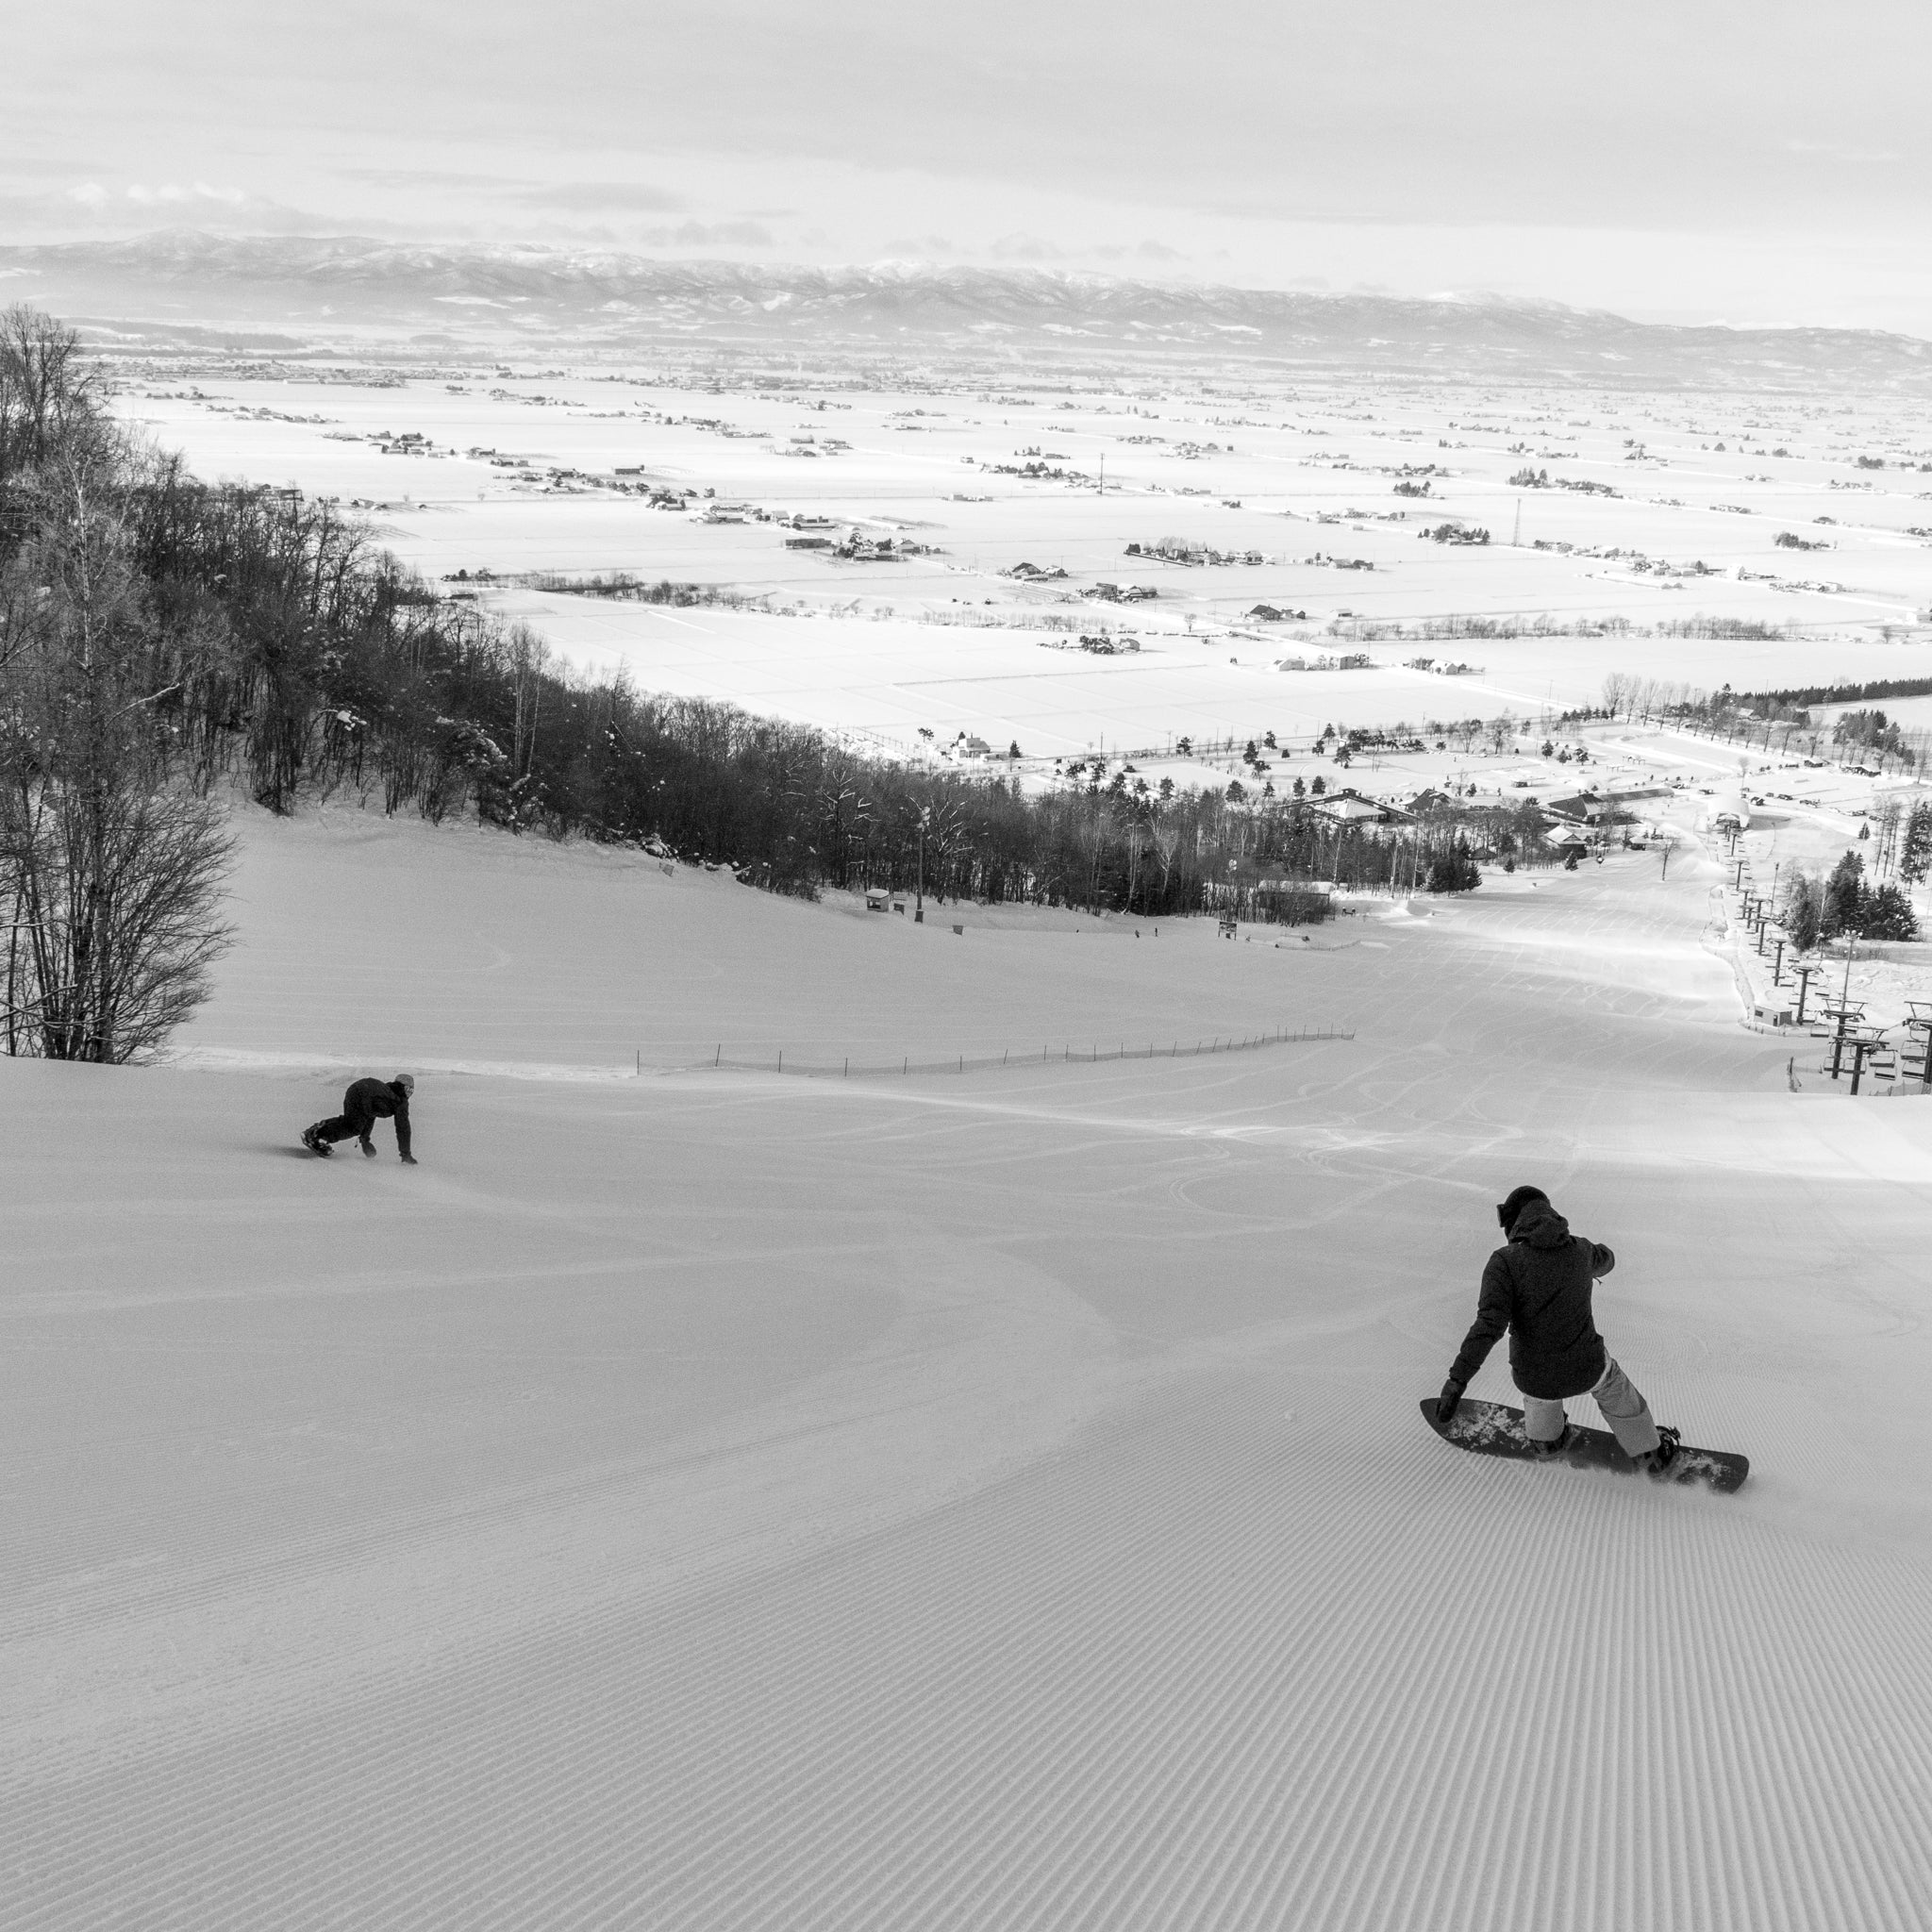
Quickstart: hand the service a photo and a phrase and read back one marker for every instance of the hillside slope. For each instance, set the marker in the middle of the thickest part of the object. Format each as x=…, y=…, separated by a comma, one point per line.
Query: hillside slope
x=725, y=1500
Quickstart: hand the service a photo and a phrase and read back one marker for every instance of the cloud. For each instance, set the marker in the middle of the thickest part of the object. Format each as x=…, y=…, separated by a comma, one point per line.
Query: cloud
x=168, y=195
x=23, y=167
x=599, y=196
x=1027, y=248
x=1835, y=151
x=919, y=245
x=425, y=177
x=1147, y=251
x=91, y=208
x=708, y=235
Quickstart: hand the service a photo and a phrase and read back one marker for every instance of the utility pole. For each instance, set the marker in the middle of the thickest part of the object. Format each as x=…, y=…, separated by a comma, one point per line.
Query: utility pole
x=919, y=904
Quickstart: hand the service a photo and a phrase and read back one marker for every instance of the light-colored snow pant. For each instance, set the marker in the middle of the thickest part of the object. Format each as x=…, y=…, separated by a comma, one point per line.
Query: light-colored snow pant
x=1623, y=1409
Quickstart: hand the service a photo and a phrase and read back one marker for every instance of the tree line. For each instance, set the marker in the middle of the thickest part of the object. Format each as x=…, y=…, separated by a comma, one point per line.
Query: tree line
x=1778, y=720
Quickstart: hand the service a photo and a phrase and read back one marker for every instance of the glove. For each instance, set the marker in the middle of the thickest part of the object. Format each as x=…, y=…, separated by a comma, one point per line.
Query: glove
x=409, y=1160
x=368, y=1151
x=1446, y=1402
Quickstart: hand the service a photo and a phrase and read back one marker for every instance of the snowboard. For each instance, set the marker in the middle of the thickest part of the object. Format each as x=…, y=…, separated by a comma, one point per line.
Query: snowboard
x=1492, y=1429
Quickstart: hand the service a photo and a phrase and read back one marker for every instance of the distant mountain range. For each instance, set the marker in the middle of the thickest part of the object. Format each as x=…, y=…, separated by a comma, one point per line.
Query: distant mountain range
x=190, y=291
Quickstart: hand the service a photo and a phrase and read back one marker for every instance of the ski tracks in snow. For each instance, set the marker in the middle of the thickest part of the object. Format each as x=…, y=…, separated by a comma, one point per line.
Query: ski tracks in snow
x=1211, y=1666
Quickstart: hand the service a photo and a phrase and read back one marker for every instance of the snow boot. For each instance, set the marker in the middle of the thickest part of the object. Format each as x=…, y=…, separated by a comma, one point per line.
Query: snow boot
x=314, y=1143
x=1549, y=1449
x=1657, y=1461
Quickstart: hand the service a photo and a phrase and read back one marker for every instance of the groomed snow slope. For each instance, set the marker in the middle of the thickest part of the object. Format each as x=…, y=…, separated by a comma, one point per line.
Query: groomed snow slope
x=711, y=1500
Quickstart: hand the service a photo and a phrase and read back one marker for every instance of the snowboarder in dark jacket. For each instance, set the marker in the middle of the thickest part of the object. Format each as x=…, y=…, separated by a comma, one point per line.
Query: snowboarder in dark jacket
x=1537, y=1287
x=365, y=1103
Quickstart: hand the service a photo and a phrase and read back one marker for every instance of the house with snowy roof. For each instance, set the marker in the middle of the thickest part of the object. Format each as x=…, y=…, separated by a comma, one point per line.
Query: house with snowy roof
x=1349, y=808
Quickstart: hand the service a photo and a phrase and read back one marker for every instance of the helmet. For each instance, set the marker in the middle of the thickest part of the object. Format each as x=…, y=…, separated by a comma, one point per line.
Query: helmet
x=406, y=1081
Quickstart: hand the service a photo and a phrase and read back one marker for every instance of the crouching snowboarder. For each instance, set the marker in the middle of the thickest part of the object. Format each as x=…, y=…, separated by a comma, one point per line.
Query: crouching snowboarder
x=365, y=1103
x=1537, y=1287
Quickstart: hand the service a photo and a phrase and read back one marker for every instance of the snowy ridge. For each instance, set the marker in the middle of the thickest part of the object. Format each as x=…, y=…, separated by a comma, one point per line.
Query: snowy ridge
x=311, y=1066
x=321, y=285
x=214, y=1059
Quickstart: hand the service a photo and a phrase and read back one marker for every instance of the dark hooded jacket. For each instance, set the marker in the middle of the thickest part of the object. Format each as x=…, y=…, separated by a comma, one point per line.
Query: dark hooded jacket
x=1538, y=1287
x=368, y=1101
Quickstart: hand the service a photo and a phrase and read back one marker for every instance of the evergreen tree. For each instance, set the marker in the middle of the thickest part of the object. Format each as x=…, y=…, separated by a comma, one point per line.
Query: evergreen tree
x=1915, y=851
x=1454, y=871
x=1844, y=896
x=1888, y=915
x=1804, y=912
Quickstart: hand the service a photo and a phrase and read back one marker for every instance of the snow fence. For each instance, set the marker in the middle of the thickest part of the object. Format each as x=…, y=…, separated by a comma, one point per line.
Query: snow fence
x=1015, y=1059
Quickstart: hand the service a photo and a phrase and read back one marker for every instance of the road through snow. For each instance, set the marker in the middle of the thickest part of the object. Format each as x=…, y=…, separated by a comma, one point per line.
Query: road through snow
x=730, y=1501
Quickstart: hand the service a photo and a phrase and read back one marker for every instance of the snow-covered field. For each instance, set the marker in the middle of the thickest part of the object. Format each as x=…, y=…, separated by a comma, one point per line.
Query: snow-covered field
x=711, y=1500
x=1646, y=510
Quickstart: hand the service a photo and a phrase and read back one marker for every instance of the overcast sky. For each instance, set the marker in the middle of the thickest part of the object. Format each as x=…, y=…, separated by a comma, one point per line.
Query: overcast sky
x=1758, y=161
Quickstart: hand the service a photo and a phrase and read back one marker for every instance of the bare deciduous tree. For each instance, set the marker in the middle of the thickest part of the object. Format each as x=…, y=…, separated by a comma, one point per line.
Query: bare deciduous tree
x=50, y=407
x=110, y=874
